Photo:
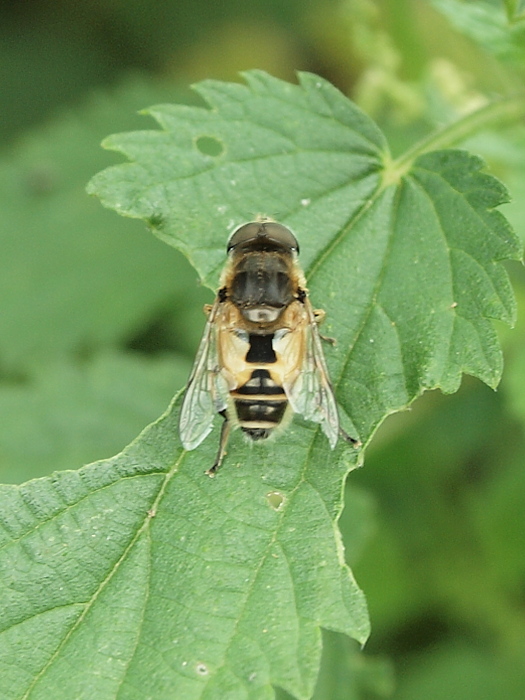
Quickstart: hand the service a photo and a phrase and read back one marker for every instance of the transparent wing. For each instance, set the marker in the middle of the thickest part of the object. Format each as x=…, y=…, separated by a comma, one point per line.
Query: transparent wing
x=202, y=399
x=311, y=394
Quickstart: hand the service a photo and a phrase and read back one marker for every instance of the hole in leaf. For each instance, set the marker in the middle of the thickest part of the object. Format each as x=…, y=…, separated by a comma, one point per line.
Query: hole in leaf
x=201, y=669
x=210, y=146
x=155, y=221
x=275, y=499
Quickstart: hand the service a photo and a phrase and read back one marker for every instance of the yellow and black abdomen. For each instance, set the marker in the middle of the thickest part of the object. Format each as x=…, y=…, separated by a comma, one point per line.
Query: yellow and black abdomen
x=260, y=403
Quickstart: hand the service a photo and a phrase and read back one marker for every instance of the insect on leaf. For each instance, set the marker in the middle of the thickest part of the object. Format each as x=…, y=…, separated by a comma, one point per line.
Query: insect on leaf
x=140, y=577
x=408, y=266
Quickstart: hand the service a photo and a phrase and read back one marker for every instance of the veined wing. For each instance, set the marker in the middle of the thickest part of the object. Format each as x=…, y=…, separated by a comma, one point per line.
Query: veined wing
x=311, y=393
x=202, y=399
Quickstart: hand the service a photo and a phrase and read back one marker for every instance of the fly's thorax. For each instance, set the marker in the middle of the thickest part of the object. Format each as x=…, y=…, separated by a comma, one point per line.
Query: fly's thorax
x=262, y=283
x=243, y=346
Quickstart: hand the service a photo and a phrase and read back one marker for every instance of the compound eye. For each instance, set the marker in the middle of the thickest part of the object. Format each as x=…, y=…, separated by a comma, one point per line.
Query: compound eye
x=269, y=231
x=282, y=235
x=243, y=234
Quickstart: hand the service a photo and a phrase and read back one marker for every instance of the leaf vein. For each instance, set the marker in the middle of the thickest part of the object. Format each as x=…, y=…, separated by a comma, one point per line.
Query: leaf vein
x=89, y=604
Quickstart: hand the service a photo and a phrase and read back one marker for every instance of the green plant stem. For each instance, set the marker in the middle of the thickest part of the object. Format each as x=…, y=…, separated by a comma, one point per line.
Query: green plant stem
x=505, y=110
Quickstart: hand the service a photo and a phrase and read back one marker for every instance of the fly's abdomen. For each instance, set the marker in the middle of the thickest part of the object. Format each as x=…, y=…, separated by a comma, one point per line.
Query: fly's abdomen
x=259, y=418
x=260, y=405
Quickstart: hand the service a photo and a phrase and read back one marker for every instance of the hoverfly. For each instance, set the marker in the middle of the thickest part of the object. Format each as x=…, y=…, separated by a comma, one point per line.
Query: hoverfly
x=260, y=358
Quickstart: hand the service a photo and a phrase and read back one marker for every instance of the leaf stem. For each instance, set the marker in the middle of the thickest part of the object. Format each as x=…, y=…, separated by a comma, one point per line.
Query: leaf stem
x=503, y=110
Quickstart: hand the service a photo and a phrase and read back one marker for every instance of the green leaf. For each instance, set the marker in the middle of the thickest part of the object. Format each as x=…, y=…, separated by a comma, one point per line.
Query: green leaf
x=405, y=260
x=64, y=415
x=149, y=579
x=302, y=154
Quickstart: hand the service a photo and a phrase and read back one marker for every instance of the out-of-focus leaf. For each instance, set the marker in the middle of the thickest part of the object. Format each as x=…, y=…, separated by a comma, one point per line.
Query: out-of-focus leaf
x=488, y=24
x=357, y=522
x=73, y=276
x=515, y=376
x=449, y=539
x=64, y=415
x=460, y=672
x=348, y=674
x=501, y=533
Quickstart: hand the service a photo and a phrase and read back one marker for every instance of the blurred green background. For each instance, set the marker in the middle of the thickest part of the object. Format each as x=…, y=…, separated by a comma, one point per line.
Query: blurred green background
x=99, y=321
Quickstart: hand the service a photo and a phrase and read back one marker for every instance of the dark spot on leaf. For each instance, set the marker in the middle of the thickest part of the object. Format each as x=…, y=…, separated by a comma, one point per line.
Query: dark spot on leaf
x=210, y=146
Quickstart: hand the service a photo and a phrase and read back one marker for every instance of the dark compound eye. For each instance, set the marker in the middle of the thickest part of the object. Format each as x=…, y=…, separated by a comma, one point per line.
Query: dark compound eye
x=266, y=233
x=281, y=234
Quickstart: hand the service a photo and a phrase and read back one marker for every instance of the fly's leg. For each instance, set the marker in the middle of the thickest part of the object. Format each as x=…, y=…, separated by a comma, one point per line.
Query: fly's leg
x=347, y=438
x=223, y=442
x=319, y=316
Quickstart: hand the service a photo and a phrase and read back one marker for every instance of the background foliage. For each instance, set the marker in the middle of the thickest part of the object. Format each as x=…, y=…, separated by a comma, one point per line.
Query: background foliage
x=98, y=325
